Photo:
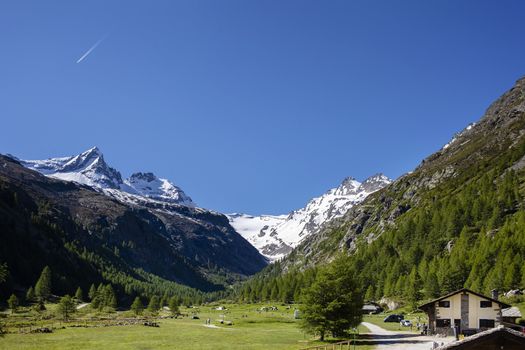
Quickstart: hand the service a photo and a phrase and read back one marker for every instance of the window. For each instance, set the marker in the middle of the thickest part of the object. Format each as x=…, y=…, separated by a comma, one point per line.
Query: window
x=485, y=303
x=486, y=323
x=443, y=322
x=444, y=303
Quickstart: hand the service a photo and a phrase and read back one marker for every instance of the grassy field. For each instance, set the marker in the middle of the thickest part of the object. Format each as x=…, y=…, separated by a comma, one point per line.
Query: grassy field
x=251, y=329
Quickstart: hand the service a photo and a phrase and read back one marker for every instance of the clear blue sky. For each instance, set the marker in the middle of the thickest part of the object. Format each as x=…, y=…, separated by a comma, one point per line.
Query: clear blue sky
x=252, y=106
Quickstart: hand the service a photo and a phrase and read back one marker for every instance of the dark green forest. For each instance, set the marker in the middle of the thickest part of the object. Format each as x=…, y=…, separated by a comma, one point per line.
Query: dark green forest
x=469, y=231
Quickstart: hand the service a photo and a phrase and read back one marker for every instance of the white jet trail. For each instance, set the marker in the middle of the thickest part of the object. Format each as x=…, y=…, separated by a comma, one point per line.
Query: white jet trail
x=90, y=50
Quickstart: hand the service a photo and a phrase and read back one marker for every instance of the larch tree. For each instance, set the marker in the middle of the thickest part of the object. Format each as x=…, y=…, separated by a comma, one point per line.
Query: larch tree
x=333, y=302
x=43, y=285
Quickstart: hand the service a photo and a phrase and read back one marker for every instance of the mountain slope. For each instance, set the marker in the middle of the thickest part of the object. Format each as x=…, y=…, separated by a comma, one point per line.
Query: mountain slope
x=63, y=224
x=276, y=236
x=457, y=219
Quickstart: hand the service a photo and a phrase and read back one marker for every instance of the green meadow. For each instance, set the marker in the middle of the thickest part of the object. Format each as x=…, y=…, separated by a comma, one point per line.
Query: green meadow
x=250, y=329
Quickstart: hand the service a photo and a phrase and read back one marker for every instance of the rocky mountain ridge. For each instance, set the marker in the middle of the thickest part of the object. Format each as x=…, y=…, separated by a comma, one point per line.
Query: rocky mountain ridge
x=276, y=236
x=90, y=168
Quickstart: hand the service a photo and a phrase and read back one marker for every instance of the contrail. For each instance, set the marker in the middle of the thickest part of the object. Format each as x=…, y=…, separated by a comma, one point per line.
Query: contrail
x=91, y=49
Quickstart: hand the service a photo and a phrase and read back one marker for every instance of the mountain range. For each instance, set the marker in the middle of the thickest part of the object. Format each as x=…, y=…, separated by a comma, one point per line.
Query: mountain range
x=276, y=236
x=273, y=236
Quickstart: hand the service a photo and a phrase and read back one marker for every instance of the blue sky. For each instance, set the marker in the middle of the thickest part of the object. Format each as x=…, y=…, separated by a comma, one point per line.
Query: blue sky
x=252, y=106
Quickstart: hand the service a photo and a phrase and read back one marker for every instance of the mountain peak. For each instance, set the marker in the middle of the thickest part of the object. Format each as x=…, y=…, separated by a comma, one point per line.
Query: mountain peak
x=140, y=176
x=375, y=182
x=348, y=186
x=90, y=168
x=150, y=186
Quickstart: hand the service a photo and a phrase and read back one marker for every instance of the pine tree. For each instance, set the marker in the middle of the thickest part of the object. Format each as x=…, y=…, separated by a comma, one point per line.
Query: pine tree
x=174, y=306
x=414, y=283
x=30, y=295
x=432, y=286
x=92, y=292
x=333, y=302
x=369, y=295
x=154, y=305
x=79, y=295
x=110, y=298
x=66, y=307
x=13, y=303
x=137, y=306
x=43, y=285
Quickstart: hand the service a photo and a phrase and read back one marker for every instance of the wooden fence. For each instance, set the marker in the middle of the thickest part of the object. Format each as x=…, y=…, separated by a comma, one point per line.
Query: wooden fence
x=347, y=344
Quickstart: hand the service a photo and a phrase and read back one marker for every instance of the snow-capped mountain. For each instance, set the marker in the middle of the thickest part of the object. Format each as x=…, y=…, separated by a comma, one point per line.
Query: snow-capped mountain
x=276, y=236
x=89, y=168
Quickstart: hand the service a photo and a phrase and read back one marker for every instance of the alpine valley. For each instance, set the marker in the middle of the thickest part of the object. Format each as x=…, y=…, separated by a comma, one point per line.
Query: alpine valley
x=456, y=221
x=144, y=227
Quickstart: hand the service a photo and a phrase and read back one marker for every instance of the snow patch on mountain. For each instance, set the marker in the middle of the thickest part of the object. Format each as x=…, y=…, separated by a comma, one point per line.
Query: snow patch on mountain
x=89, y=168
x=276, y=236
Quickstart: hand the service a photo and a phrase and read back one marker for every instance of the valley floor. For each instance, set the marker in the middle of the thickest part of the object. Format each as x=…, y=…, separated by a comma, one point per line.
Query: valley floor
x=251, y=329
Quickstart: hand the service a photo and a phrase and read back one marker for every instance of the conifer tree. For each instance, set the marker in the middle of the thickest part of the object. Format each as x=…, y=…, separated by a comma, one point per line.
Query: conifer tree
x=174, y=306
x=432, y=286
x=369, y=295
x=154, y=305
x=13, y=303
x=92, y=292
x=79, y=295
x=333, y=303
x=43, y=285
x=137, y=306
x=66, y=307
x=30, y=295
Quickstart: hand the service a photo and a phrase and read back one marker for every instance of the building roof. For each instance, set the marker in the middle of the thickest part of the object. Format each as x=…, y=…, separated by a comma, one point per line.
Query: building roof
x=372, y=307
x=511, y=312
x=430, y=303
x=500, y=334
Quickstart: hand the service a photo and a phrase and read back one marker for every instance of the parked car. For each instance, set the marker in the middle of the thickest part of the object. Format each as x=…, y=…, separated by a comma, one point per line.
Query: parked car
x=394, y=318
x=405, y=323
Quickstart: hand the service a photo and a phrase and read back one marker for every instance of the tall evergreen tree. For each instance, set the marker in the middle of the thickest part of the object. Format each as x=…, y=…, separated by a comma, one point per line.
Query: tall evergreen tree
x=333, y=303
x=154, y=305
x=137, y=306
x=43, y=285
x=13, y=303
x=92, y=292
x=79, y=295
x=66, y=307
x=30, y=295
x=174, y=306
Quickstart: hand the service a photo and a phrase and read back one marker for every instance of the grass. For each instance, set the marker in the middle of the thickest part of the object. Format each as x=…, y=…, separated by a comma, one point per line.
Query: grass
x=251, y=330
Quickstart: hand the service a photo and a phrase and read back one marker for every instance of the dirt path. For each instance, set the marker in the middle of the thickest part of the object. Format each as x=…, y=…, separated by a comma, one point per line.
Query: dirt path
x=215, y=327
x=81, y=306
x=390, y=340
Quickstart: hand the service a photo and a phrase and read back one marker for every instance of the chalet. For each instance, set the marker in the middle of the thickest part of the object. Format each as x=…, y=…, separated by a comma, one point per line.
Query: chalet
x=510, y=316
x=467, y=311
x=495, y=338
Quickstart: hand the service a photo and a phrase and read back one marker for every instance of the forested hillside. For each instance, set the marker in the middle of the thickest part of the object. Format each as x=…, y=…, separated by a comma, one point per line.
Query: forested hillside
x=456, y=220
x=87, y=238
